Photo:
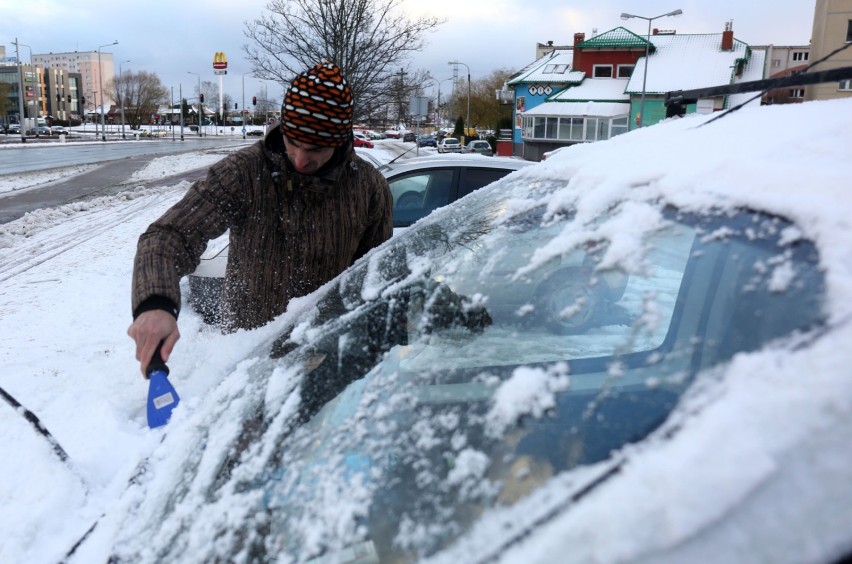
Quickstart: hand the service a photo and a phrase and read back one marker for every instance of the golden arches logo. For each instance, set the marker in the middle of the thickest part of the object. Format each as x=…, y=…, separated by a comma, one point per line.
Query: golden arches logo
x=220, y=61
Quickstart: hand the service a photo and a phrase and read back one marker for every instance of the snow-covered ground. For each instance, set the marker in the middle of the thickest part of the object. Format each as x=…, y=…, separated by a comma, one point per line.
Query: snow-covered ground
x=64, y=311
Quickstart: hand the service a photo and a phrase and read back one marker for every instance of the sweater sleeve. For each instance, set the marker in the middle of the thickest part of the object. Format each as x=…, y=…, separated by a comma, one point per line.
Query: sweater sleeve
x=171, y=247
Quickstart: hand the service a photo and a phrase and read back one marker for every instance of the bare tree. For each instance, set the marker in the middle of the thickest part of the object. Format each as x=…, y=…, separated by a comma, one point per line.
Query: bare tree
x=267, y=105
x=140, y=93
x=486, y=111
x=367, y=39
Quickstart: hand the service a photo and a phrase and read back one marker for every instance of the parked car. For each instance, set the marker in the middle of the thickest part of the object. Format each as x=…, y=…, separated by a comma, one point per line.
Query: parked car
x=409, y=136
x=437, y=401
x=255, y=133
x=59, y=130
x=449, y=145
x=418, y=185
x=479, y=146
x=427, y=141
x=362, y=140
x=43, y=130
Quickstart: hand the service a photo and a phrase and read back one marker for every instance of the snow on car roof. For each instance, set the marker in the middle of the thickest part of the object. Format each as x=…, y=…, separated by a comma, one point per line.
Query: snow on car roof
x=786, y=160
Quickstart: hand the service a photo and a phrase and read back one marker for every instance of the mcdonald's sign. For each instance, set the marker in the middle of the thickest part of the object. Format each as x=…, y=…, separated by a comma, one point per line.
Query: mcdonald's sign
x=220, y=61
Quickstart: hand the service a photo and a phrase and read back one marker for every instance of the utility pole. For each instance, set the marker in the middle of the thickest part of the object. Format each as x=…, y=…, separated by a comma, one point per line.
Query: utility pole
x=21, y=125
x=401, y=99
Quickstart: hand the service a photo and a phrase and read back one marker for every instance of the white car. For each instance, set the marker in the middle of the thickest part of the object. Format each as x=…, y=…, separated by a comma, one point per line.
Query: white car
x=449, y=145
x=437, y=402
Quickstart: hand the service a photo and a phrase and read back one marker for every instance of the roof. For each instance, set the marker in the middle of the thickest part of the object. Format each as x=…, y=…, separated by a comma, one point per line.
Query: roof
x=754, y=70
x=553, y=68
x=595, y=109
x=594, y=89
x=683, y=62
x=618, y=37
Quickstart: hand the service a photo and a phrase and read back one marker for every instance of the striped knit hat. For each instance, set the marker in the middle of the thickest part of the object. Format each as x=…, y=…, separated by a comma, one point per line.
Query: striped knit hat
x=317, y=108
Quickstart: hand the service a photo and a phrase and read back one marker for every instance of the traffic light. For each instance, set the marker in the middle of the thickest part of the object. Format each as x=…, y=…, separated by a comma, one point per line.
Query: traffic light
x=236, y=107
x=201, y=97
x=254, y=100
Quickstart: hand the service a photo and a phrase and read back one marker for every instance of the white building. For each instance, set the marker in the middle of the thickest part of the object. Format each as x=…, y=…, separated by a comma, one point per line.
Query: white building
x=92, y=71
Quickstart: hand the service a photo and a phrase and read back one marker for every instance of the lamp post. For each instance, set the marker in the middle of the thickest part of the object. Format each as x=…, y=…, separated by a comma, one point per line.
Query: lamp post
x=626, y=16
x=438, y=106
x=101, y=79
x=21, y=127
x=467, y=120
x=122, y=98
x=200, y=116
x=243, y=114
x=35, y=77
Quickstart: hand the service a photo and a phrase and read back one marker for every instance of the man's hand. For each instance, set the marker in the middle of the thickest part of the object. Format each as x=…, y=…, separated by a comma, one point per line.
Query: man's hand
x=148, y=330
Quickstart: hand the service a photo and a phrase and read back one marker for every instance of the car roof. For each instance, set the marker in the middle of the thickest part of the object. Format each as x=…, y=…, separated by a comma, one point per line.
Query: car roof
x=450, y=160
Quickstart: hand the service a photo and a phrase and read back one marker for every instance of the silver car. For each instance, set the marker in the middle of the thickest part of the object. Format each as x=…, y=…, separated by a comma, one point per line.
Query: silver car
x=479, y=146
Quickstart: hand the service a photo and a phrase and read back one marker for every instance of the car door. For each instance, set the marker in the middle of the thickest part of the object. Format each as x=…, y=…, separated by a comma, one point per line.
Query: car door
x=475, y=178
x=416, y=194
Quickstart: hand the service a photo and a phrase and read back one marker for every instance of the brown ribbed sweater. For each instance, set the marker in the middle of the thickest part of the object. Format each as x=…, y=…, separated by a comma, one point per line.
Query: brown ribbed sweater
x=290, y=233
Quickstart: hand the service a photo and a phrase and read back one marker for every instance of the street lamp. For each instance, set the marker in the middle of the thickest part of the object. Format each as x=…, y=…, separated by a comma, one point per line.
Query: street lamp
x=626, y=16
x=200, y=116
x=243, y=114
x=21, y=126
x=101, y=78
x=122, y=98
x=467, y=120
x=37, y=81
x=438, y=106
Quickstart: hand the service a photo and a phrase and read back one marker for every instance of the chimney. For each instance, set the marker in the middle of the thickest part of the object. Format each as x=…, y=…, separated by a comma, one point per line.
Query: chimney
x=656, y=31
x=728, y=37
x=577, y=54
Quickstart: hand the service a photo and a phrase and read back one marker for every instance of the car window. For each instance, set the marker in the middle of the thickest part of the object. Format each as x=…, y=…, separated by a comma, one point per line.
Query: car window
x=417, y=194
x=475, y=178
x=462, y=362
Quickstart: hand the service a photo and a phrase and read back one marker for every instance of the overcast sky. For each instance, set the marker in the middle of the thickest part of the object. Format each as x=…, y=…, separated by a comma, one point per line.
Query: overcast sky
x=174, y=38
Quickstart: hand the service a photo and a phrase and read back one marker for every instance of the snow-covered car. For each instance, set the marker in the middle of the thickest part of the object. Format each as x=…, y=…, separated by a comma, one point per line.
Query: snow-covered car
x=422, y=406
x=418, y=185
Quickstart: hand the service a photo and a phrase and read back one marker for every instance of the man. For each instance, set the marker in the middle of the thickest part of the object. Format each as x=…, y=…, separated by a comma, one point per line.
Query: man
x=301, y=207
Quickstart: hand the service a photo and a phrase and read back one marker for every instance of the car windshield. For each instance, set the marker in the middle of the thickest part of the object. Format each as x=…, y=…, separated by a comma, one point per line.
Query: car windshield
x=465, y=366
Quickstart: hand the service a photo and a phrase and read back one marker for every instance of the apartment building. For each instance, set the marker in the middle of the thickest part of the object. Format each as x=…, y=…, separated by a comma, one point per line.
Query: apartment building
x=832, y=30
x=95, y=72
